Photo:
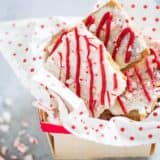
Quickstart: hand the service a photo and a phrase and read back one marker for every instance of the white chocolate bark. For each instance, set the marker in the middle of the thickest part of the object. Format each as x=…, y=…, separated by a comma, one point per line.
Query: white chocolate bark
x=138, y=98
x=86, y=68
x=120, y=37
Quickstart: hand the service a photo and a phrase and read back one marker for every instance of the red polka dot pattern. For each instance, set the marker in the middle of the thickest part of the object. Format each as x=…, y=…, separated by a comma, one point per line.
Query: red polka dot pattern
x=19, y=44
x=157, y=7
x=122, y=129
x=140, y=128
x=115, y=137
x=14, y=54
x=149, y=13
x=155, y=114
x=132, y=138
x=153, y=29
x=145, y=6
x=133, y=5
x=73, y=127
x=158, y=127
x=144, y=18
x=26, y=49
x=85, y=127
x=32, y=70
x=150, y=136
x=42, y=26
x=100, y=125
x=80, y=113
x=24, y=60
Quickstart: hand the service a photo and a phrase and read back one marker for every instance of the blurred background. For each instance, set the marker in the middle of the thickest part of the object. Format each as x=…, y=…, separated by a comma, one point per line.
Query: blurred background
x=20, y=135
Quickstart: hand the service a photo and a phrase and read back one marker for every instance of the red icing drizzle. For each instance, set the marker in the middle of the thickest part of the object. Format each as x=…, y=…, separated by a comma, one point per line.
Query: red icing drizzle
x=157, y=57
x=91, y=99
x=103, y=74
x=129, y=82
x=150, y=71
x=146, y=92
x=115, y=81
x=67, y=59
x=91, y=44
x=89, y=21
x=78, y=89
x=109, y=98
x=123, y=34
x=122, y=105
x=59, y=40
x=106, y=20
x=60, y=57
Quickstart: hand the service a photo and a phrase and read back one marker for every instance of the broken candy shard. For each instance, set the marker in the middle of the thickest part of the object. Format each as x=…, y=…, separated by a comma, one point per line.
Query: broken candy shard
x=77, y=56
x=143, y=87
x=111, y=24
x=29, y=157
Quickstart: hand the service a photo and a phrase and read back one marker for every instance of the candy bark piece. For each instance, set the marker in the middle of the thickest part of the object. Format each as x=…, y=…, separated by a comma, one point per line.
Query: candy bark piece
x=78, y=59
x=143, y=85
x=112, y=25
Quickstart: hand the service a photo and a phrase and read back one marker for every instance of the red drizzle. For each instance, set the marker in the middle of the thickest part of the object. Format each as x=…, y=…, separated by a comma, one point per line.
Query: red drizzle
x=60, y=57
x=157, y=57
x=91, y=100
x=78, y=89
x=115, y=81
x=130, y=43
x=129, y=82
x=103, y=74
x=109, y=98
x=93, y=45
x=146, y=92
x=67, y=60
x=150, y=71
x=122, y=105
x=89, y=21
x=106, y=20
x=59, y=40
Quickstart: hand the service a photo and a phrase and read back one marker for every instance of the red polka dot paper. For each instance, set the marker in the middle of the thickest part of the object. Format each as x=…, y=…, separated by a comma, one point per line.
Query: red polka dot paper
x=22, y=44
x=145, y=13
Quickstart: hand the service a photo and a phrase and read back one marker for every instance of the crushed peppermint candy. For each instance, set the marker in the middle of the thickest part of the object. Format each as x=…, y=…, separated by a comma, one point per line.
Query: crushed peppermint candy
x=8, y=102
x=21, y=132
x=24, y=124
x=4, y=128
x=13, y=157
x=2, y=158
x=29, y=157
x=32, y=139
x=6, y=117
x=1, y=120
x=21, y=147
x=4, y=150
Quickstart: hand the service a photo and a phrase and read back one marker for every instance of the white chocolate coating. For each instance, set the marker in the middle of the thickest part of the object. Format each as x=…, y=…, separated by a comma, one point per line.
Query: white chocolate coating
x=137, y=99
x=58, y=68
x=120, y=21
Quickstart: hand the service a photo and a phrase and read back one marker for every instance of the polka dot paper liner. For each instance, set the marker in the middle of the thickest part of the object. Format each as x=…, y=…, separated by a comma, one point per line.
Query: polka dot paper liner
x=22, y=44
x=144, y=13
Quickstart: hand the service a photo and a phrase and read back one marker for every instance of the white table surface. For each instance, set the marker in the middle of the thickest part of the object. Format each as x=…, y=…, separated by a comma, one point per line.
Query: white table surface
x=19, y=9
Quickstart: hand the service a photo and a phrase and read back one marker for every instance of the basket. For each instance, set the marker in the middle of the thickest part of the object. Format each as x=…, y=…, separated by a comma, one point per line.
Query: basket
x=67, y=146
